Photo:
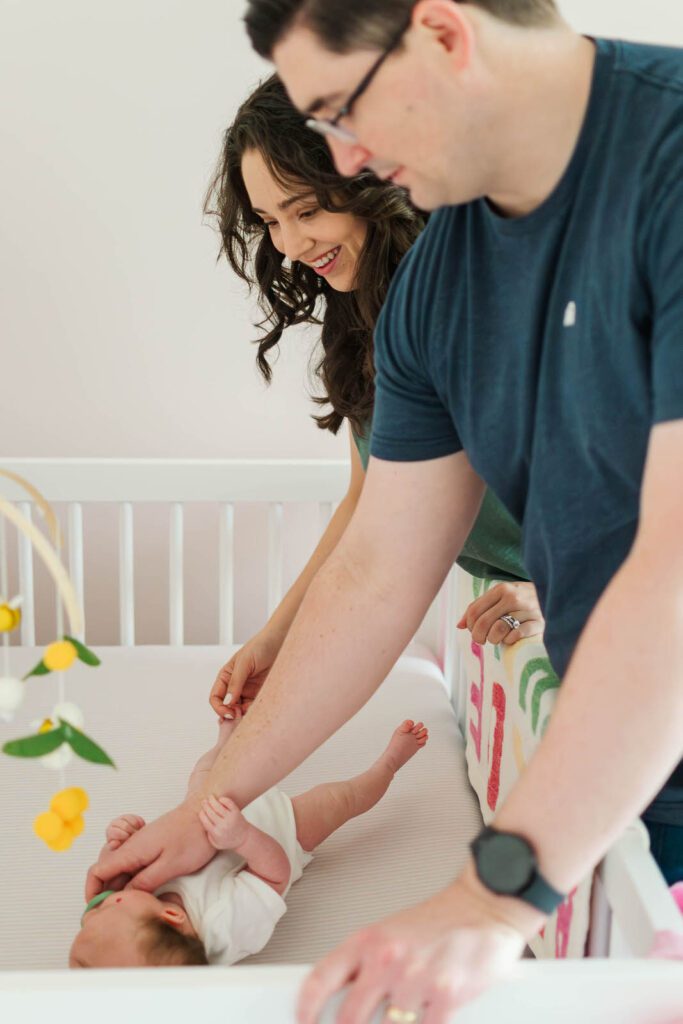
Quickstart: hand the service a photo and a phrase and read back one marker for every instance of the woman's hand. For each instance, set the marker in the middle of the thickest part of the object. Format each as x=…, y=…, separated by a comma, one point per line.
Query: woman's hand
x=243, y=676
x=483, y=616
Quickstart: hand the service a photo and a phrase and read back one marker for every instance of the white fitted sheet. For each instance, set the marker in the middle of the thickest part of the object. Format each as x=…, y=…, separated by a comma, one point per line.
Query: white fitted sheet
x=148, y=708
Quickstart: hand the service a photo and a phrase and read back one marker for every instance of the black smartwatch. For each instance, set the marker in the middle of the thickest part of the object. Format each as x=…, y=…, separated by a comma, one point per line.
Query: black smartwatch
x=506, y=864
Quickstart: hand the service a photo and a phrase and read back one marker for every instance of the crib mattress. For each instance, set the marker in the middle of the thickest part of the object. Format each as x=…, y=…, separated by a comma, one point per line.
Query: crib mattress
x=148, y=708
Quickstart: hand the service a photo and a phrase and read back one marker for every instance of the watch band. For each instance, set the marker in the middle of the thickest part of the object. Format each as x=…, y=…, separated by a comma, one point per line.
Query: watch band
x=540, y=894
x=536, y=891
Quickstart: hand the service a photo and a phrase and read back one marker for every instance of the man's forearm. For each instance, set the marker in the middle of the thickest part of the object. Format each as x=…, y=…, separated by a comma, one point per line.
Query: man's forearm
x=617, y=730
x=320, y=679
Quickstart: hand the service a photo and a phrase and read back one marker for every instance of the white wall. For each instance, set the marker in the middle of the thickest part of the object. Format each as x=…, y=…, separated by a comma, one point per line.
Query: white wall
x=120, y=335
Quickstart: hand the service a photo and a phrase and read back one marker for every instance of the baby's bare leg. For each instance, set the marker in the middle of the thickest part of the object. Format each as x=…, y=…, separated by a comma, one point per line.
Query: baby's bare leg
x=205, y=762
x=325, y=808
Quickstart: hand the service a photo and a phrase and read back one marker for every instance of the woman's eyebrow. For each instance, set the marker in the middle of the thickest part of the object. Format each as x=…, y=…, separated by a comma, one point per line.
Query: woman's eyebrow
x=286, y=203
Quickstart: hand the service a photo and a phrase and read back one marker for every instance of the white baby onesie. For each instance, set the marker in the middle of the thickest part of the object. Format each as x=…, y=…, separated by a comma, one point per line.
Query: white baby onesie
x=233, y=912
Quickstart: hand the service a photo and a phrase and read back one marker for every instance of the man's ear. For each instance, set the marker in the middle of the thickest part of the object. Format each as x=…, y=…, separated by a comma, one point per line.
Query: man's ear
x=449, y=25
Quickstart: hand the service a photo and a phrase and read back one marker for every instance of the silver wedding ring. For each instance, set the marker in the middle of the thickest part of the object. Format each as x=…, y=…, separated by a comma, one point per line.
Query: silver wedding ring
x=512, y=622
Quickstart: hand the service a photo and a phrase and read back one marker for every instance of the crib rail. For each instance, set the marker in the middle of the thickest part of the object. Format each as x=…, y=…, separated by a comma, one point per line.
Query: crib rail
x=125, y=483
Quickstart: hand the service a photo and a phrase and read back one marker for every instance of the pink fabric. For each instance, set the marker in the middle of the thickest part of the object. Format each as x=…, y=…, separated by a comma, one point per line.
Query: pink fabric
x=677, y=893
x=670, y=944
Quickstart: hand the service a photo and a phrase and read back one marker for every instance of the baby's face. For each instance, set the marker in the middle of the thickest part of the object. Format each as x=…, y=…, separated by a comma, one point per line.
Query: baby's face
x=110, y=933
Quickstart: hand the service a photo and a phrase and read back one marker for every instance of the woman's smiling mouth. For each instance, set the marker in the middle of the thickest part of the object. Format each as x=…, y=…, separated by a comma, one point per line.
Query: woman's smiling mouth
x=325, y=263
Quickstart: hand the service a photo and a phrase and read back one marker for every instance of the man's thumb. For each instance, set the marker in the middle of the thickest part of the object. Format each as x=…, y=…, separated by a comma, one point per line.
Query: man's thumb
x=151, y=877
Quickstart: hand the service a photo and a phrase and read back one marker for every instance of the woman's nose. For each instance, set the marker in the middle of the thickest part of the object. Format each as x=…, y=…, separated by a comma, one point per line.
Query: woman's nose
x=296, y=243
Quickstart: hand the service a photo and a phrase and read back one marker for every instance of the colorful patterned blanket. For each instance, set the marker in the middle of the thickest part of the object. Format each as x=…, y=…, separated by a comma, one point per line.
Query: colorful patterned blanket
x=511, y=691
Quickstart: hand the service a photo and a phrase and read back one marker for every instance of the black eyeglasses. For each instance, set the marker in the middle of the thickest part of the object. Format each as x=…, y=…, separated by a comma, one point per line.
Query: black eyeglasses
x=330, y=126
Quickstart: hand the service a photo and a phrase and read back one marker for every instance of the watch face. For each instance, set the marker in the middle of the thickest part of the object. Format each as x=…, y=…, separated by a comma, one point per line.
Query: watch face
x=505, y=862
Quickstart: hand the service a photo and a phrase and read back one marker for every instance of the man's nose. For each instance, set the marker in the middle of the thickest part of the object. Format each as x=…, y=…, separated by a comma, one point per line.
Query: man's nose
x=349, y=158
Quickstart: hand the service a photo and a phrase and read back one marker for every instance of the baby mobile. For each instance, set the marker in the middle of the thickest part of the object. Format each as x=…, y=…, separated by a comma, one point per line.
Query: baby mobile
x=59, y=735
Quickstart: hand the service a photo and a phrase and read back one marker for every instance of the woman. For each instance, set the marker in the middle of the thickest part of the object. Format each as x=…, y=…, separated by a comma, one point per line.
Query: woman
x=322, y=249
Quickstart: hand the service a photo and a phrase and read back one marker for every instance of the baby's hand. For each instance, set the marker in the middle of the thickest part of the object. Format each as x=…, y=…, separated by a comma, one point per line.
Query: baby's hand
x=224, y=823
x=122, y=828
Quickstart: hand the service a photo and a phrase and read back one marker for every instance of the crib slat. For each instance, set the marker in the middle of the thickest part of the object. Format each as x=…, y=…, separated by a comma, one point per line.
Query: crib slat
x=275, y=549
x=28, y=612
x=324, y=515
x=226, y=581
x=4, y=574
x=176, y=590
x=75, y=536
x=126, y=577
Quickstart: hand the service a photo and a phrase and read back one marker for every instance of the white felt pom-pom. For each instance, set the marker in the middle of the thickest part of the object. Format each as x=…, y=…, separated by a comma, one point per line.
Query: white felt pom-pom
x=58, y=759
x=70, y=713
x=11, y=696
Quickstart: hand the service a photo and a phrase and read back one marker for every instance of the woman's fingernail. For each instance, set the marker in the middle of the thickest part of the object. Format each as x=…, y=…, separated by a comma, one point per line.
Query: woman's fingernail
x=228, y=698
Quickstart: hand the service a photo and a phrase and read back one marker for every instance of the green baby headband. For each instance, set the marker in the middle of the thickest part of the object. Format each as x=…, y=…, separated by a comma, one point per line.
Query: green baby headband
x=95, y=902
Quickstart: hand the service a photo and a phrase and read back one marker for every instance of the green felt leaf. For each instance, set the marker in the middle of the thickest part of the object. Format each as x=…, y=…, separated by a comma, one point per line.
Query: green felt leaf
x=84, y=654
x=40, y=670
x=84, y=746
x=35, y=746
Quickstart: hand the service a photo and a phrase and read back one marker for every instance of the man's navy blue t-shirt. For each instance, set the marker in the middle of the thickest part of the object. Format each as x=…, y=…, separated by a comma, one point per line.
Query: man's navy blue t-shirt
x=547, y=346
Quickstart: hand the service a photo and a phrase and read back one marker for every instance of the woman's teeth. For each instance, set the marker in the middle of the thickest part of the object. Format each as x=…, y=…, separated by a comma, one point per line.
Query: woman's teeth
x=327, y=258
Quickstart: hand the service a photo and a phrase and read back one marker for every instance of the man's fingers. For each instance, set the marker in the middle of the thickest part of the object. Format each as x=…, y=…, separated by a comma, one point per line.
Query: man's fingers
x=151, y=877
x=326, y=978
x=364, y=998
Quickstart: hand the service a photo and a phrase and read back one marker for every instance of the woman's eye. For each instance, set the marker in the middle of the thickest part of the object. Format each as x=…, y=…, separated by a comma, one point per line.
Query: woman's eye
x=309, y=213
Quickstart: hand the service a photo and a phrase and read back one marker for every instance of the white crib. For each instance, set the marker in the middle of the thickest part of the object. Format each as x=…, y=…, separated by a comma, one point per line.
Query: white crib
x=630, y=901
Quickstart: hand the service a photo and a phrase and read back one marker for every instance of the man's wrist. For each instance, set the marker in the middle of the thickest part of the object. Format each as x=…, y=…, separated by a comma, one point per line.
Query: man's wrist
x=508, y=910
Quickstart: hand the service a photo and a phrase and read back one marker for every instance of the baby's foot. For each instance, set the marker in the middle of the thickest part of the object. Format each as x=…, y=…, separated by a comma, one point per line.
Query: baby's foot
x=405, y=742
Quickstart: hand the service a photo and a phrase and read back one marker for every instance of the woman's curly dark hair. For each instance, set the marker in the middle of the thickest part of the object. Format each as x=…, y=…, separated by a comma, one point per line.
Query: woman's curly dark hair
x=300, y=161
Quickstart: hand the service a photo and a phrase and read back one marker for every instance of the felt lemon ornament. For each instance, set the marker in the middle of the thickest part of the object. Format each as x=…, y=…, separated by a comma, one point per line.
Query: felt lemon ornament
x=59, y=826
x=10, y=614
x=61, y=655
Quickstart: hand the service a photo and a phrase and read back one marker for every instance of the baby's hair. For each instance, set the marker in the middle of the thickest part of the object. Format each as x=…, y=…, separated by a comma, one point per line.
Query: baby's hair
x=164, y=946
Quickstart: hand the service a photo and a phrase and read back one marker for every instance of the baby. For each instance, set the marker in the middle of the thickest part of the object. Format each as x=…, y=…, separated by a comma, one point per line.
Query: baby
x=229, y=908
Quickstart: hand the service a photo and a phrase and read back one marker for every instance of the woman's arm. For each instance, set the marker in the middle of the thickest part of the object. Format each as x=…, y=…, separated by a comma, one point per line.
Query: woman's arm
x=253, y=661
x=283, y=616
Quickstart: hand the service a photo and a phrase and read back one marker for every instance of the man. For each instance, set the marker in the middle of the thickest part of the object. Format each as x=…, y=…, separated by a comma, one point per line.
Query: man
x=531, y=340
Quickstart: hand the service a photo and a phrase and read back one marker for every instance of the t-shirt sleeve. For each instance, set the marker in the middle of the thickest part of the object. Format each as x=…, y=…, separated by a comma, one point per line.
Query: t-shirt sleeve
x=243, y=919
x=410, y=421
x=665, y=260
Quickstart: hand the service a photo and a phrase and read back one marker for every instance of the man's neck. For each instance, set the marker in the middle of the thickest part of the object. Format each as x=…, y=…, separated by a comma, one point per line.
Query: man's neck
x=546, y=95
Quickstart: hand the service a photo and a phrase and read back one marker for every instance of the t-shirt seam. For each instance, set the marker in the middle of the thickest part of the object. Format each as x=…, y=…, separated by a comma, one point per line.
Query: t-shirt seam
x=649, y=78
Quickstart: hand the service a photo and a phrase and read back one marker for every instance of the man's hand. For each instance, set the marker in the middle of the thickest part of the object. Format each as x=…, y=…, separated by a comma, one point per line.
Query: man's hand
x=175, y=844
x=430, y=960
x=225, y=825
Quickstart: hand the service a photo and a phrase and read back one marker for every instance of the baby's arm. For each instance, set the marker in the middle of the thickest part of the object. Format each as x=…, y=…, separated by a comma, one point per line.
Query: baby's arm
x=200, y=772
x=228, y=829
x=122, y=828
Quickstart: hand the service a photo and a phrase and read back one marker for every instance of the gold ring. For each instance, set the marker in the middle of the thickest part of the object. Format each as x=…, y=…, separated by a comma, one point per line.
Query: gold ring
x=397, y=1016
